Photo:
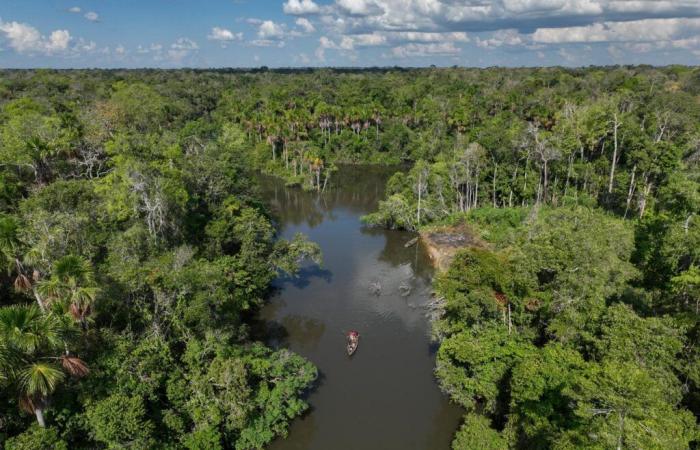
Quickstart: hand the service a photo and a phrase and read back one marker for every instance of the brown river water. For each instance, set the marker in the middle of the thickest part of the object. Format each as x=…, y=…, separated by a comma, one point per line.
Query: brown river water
x=385, y=396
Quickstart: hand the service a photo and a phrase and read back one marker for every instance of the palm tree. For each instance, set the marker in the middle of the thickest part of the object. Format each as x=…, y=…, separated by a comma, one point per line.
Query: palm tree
x=12, y=261
x=72, y=286
x=31, y=344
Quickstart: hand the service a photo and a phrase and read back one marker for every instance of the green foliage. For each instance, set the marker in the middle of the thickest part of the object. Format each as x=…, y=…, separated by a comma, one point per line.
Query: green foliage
x=476, y=432
x=37, y=438
x=129, y=216
x=570, y=366
x=620, y=404
x=120, y=421
x=473, y=365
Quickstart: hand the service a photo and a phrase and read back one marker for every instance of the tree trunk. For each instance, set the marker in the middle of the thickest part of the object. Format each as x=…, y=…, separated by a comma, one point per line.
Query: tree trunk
x=568, y=174
x=546, y=175
x=510, y=322
x=620, y=438
x=40, y=417
x=495, y=171
x=630, y=192
x=645, y=193
x=616, y=125
x=512, y=183
x=686, y=225
x=420, y=192
x=39, y=300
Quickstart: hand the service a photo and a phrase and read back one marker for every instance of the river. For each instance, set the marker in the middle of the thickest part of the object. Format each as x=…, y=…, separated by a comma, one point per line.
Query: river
x=385, y=396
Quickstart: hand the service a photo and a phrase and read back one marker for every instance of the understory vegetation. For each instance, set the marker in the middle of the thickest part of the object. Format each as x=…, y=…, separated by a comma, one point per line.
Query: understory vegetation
x=135, y=249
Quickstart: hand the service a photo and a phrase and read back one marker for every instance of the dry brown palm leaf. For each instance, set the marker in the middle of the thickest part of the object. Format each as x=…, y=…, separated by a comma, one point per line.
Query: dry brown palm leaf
x=22, y=283
x=74, y=366
x=27, y=404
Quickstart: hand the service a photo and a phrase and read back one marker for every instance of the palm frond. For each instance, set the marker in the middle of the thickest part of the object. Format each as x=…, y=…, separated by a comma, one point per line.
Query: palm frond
x=26, y=329
x=72, y=268
x=74, y=366
x=21, y=327
x=22, y=283
x=40, y=379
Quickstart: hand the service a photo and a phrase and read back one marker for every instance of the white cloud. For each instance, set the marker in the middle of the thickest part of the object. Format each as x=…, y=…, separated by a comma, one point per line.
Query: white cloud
x=363, y=16
x=120, y=50
x=414, y=36
x=154, y=48
x=567, y=56
x=413, y=50
x=181, y=49
x=267, y=43
x=301, y=7
x=382, y=38
x=92, y=16
x=270, y=30
x=305, y=25
x=25, y=39
x=303, y=58
x=75, y=10
x=223, y=35
x=86, y=47
x=500, y=38
x=361, y=7
x=646, y=30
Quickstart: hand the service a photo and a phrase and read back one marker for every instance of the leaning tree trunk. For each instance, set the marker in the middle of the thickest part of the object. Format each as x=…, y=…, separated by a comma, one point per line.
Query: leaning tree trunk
x=630, y=192
x=616, y=125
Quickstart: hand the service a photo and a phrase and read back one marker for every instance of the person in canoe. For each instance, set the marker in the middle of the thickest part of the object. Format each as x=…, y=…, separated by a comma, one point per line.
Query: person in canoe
x=353, y=338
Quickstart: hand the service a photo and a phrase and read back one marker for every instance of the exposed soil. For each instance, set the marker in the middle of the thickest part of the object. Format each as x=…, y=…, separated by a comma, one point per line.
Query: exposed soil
x=444, y=242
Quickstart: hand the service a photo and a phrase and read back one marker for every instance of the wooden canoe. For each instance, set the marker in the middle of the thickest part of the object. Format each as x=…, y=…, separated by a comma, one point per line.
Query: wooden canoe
x=352, y=344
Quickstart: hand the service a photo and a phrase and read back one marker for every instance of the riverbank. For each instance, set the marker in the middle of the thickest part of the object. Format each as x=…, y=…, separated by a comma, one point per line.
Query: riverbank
x=444, y=241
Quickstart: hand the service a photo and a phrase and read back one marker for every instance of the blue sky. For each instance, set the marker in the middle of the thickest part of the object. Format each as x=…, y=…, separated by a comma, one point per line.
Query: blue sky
x=287, y=33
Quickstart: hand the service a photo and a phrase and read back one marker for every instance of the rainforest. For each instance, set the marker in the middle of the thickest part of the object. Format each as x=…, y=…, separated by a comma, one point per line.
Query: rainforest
x=182, y=251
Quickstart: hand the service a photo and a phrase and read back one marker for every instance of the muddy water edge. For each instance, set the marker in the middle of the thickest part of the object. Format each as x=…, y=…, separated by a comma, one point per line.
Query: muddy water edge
x=385, y=396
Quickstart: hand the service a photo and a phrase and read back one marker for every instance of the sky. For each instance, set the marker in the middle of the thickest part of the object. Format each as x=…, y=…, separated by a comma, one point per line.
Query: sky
x=357, y=33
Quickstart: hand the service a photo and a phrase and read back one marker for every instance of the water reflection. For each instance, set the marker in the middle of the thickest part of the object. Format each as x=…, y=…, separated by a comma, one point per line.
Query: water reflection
x=303, y=277
x=385, y=396
x=307, y=331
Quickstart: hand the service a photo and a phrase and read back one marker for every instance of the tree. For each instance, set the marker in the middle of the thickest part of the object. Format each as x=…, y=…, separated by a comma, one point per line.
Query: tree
x=34, y=343
x=619, y=405
x=30, y=138
x=120, y=421
x=71, y=287
x=476, y=432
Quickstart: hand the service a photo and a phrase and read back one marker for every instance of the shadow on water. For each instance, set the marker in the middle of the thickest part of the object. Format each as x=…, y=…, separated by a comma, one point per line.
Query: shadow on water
x=303, y=277
x=385, y=396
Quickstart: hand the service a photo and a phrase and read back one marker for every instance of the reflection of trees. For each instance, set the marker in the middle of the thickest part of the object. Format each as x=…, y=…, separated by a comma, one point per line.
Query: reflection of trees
x=302, y=433
x=444, y=424
x=356, y=188
x=304, y=333
x=395, y=252
x=303, y=277
x=300, y=333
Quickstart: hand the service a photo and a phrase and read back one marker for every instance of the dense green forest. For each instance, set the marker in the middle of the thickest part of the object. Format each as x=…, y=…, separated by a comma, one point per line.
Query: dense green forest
x=136, y=250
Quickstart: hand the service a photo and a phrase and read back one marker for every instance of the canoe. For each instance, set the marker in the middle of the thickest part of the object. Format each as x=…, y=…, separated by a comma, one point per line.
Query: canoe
x=353, y=342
